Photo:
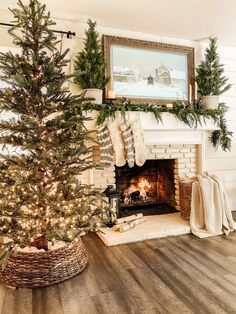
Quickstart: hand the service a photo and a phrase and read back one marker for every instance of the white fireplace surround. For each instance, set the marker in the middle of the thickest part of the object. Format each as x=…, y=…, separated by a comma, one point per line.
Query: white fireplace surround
x=175, y=132
x=171, y=139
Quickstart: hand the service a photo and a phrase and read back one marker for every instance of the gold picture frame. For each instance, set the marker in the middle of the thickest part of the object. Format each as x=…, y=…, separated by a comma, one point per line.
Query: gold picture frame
x=129, y=62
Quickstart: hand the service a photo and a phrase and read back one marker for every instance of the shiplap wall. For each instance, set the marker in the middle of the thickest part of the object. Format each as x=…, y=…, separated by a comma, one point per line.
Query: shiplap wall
x=222, y=163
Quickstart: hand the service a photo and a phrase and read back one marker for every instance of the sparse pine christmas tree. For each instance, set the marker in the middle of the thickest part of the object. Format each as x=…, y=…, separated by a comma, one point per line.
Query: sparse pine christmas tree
x=210, y=78
x=89, y=64
x=41, y=199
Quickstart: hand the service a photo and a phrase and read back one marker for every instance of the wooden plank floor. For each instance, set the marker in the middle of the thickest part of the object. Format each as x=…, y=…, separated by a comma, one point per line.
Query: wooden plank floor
x=174, y=275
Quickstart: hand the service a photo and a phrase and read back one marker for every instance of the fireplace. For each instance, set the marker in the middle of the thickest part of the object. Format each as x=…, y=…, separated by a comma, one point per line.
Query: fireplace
x=149, y=189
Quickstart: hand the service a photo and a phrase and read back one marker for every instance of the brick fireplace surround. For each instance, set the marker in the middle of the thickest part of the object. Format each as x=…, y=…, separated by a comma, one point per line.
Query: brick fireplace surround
x=170, y=140
x=185, y=157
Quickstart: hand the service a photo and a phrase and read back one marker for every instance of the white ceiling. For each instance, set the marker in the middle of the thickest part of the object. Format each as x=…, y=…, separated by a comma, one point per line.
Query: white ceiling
x=187, y=19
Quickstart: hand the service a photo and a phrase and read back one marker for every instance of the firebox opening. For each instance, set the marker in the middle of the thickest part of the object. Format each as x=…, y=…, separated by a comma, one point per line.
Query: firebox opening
x=149, y=189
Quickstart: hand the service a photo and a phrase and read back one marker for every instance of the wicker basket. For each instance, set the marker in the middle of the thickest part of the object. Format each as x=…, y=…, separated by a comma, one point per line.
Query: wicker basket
x=31, y=270
x=185, y=193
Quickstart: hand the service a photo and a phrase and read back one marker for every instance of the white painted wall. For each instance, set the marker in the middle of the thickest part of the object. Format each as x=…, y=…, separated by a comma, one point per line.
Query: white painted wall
x=222, y=163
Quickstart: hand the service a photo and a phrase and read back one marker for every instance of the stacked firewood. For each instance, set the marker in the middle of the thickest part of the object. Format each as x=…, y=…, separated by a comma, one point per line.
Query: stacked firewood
x=129, y=222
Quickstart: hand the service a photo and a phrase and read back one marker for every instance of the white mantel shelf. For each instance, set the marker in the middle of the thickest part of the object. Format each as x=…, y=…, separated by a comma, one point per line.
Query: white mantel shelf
x=170, y=123
x=171, y=130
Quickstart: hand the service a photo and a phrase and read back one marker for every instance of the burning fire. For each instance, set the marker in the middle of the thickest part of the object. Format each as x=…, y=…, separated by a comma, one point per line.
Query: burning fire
x=142, y=185
x=139, y=190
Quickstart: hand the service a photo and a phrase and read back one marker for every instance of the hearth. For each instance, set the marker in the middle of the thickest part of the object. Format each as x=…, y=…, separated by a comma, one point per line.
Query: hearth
x=149, y=189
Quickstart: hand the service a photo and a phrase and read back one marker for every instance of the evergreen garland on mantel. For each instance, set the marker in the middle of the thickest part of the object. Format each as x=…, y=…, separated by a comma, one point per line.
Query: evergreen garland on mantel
x=190, y=116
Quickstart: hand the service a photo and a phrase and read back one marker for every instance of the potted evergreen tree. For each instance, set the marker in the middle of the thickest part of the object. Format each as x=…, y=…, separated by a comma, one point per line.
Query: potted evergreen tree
x=210, y=79
x=89, y=66
x=43, y=207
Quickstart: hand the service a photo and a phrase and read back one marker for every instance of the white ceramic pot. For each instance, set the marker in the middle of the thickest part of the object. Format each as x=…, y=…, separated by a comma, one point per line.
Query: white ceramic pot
x=210, y=102
x=96, y=94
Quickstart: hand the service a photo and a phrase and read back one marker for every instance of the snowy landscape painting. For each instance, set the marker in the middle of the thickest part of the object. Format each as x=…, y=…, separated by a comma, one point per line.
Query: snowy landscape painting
x=148, y=73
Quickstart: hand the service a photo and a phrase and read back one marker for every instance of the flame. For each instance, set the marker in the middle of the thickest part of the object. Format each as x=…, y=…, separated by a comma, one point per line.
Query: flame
x=142, y=185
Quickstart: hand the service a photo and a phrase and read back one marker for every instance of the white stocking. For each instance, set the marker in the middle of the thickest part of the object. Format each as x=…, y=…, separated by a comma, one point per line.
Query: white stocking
x=117, y=141
x=139, y=145
x=127, y=135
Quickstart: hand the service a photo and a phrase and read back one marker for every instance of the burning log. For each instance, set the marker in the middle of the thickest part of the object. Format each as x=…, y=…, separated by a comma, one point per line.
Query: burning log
x=135, y=196
x=137, y=192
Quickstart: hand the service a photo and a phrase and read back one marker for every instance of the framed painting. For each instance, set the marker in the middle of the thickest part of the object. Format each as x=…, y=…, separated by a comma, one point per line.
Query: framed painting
x=149, y=72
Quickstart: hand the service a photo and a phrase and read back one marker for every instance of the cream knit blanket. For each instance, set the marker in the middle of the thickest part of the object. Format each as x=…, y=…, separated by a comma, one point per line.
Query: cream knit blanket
x=210, y=211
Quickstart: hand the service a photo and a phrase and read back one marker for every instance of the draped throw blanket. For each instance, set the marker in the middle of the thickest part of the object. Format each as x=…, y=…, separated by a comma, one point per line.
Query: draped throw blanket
x=210, y=211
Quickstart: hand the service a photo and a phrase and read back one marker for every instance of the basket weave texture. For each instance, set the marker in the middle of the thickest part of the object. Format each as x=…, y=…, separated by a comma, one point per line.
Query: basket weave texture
x=185, y=194
x=32, y=270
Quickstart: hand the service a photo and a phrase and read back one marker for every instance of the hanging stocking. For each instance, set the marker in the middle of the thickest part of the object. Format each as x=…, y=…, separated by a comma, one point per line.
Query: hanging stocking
x=117, y=141
x=104, y=139
x=139, y=145
x=125, y=128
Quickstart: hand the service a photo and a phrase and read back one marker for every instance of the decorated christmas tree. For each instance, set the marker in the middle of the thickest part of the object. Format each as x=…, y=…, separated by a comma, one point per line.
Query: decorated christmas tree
x=89, y=64
x=210, y=78
x=44, y=144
